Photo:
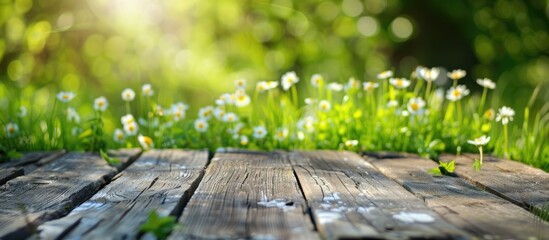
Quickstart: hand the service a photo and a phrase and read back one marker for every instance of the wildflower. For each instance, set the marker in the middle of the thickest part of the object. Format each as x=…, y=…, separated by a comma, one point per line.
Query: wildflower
x=392, y=103
x=178, y=114
x=288, y=80
x=201, y=125
x=236, y=129
x=244, y=140
x=317, y=80
x=72, y=115
x=310, y=101
x=370, y=86
x=127, y=119
x=219, y=112
x=206, y=112
x=240, y=83
x=281, y=134
x=481, y=141
x=261, y=86
x=118, y=135
x=385, y=74
x=324, y=106
x=400, y=83
x=457, y=74
x=22, y=111
x=128, y=95
x=180, y=106
x=486, y=83
x=505, y=115
x=300, y=136
x=65, y=96
x=272, y=85
x=230, y=117
x=147, y=90
x=259, y=132
x=100, y=104
x=351, y=143
x=336, y=87
x=131, y=128
x=489, y=114
x=457, y=93
x=427, y=74
x=12, y=129
x=306, y=124
x=416, y=105
x=225, y=99
x=146, y=142
x=352, y=84
x=242, y=100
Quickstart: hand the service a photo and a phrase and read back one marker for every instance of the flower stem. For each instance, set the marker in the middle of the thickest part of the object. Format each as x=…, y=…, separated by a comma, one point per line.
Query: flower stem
x=428, y=91
x=482, y=102
x=481, y=153
x=506, y=141
x=128, y=110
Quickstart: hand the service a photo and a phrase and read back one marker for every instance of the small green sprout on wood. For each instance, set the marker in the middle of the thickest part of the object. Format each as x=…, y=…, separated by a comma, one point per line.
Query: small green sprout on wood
x=159, y=226
x=479, y=142
x=444, y=168
x=110, y=160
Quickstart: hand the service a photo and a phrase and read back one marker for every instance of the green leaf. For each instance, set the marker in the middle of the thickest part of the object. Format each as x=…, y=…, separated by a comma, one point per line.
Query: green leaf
x=158, y=226
x=85, y=134
x=435, y=171
x=111, y=161
x=477, y=165
x=448, y=166
x=13, y=154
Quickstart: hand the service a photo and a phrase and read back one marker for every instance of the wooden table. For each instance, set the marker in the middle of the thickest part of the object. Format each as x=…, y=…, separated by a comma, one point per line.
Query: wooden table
x=269, y=195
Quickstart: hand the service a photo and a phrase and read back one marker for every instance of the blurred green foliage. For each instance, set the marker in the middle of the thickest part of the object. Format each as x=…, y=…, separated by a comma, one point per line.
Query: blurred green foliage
x=193, y=50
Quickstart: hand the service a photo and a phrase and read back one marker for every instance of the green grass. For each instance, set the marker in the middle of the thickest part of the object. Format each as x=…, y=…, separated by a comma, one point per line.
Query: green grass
x=305, y=115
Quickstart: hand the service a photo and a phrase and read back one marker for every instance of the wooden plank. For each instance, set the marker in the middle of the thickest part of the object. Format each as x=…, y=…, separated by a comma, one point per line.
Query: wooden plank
x=26, y=164
x=160, y=180
x=247, y=195
x=478, y=212
x=53, y=190
x=349, y=198
x=519, y=183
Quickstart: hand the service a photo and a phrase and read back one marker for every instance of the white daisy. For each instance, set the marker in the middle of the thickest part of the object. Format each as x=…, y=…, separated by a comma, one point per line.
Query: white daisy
x=206, y=112
x=399, y=83
x=127, y=119
x=281, y=134
x=225, y=99
x=481, y=141
x=486, y=83
x=489, y=114
x=352, y=84
x=201, y=125
x=22, y=111
x=128, y=95
x=12, y=129
x=288, y=80
x=147, y=90
x=324, y=105
x=351, y=143
x=392, y=103
x=244, y=140
x=272, y=85
x=146, y=142
x=259, y=132
x=230, y=117
x=336, y=87
x=118, y=135
x=370, y=86
x=306, y=124
x=385, y=74
x=100, y=104
x=457, y=93
x=72, y=115
x=317, y=80
x=65, y=96
x=261, y=86
x=242, y=100
x=505, y=115
x=240, y=83
x=428, y=74
x=131, y=128
x=457, y=74
x=219, y=112
x=416, y=105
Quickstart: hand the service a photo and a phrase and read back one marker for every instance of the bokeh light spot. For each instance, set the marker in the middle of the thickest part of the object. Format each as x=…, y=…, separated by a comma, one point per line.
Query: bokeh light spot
x=402, y=28
x=367, y=26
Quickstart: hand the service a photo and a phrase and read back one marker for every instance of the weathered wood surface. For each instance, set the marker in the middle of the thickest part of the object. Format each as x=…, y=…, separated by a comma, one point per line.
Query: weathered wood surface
x=349, y=198
x=26, y=164
x=517, y=182
x=478, y=212
x=160, y=180
x=247, y=195
x=51, y=191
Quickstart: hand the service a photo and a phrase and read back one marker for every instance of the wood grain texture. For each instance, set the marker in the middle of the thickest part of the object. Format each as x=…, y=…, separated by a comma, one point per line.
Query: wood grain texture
x=349, y=198
x=160, y=180
x=26, y=164
x=247, y=195
x=464, y=205
x=517, y=182
x=51, y=191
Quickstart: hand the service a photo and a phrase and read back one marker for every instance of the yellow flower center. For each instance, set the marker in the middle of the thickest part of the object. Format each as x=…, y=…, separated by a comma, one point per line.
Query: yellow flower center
x=11, y=129
x=131, y=128
x=200, y=125
x=399, y=83
x=147, y=140
x=456, y=93
x=65, y=96
x=100, y=104
x=414, y=106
